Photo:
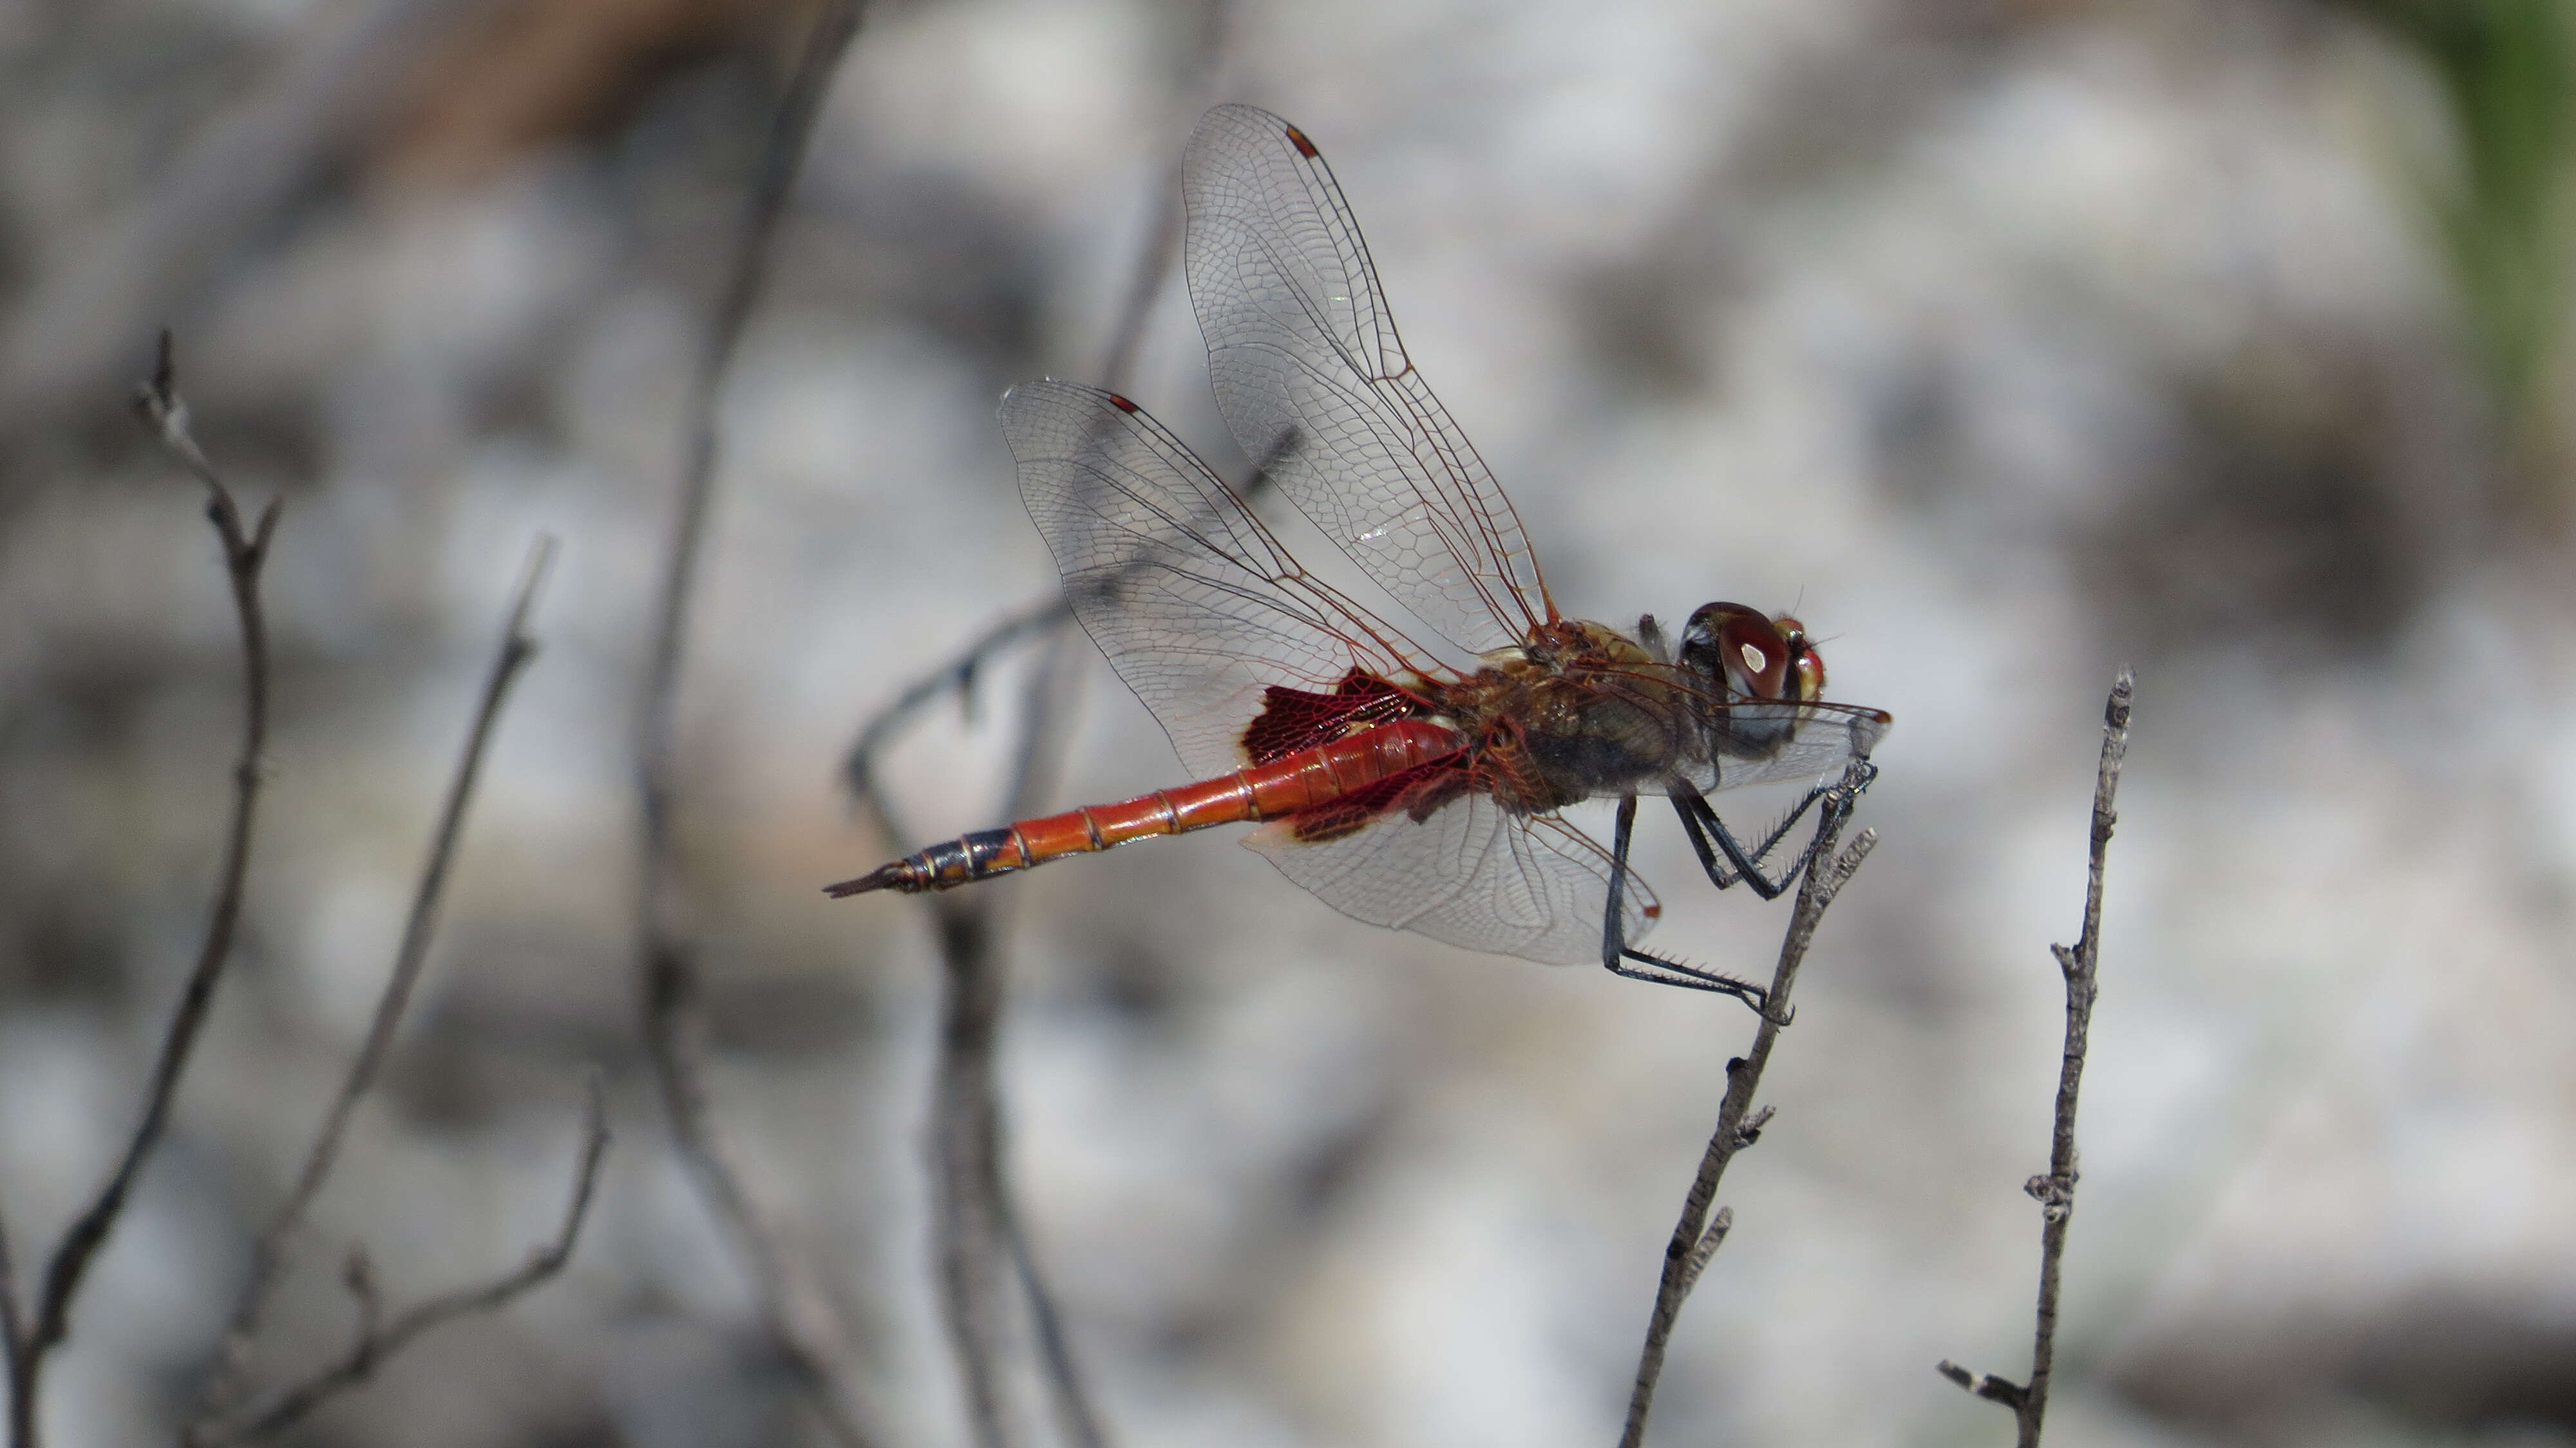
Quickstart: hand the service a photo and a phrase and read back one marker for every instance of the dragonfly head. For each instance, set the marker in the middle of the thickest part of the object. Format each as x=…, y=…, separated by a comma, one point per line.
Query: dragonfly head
x=1754, y=655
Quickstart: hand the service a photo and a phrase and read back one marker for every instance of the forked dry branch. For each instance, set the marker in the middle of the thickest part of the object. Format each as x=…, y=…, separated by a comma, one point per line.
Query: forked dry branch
x=802, y=1322
x=269, y=1255
x=377, y=1339
x=2055, y=1190
x=979, y=1232
x=29, y=1340
x=1696, y=1235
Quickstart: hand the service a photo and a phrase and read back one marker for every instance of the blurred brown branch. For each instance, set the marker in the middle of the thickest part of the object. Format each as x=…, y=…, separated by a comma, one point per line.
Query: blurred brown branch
x=799, y=1318
x=959, y=676
x=377, y=1340
x=2055, y=1191
x=977, y=1220
x=268, y=1255
x=1154, y=263
x=29, y=1341
x=1696, y=1237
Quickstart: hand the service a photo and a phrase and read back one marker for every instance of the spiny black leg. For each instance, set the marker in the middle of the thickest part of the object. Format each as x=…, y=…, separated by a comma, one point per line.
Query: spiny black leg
x=1616, y=953
x=1702, y=825
x=1674, y=973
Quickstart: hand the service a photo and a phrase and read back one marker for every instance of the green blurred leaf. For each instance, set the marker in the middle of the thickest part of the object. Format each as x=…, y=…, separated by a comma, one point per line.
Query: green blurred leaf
x=2506, y=69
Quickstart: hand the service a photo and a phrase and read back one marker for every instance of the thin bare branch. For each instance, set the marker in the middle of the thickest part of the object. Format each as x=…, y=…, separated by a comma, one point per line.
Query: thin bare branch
x=1695, y=1240
x=244, y=554
x=965, y=1136
x=975, y=1226
x=799, y=1320
x=373, y=1345
x=1076, y=1418
x=1709, y=1242
x=2055, y=1190
x=977, y=1220
x=13, y=1329
x=1154, y=263
x=959, y=676
x=1049, y=699
x=269, y=1253
x=977, y=1233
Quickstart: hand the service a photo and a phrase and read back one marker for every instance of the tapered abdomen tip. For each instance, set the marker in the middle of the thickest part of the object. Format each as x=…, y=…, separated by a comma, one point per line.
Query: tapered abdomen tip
x=883, y=877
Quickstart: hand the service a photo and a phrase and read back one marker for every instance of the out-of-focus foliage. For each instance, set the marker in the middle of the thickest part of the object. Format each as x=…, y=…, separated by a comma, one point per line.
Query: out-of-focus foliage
x=2507, y=70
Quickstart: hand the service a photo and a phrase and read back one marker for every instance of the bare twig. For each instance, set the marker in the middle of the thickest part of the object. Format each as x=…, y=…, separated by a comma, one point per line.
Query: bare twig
x=2055, y=1191
x=1709, y=1242
x=1154, y=263
x=976, y=1227
x=1075, y=1416
x=799, y=1320
x=1050, y=696
x=244, y=553
x=977, y=1220
x=959, y=676
x=358, y=1274
x=268, y=1255
x=1695, y=1238
x=13, y=1329
x=374, y=1344
x=965, y=1143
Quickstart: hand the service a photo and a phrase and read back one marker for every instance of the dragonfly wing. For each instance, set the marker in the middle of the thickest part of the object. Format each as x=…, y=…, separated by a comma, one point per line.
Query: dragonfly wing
x=1472, y=875
x=1190, y=596
x=1316, y=386
x=1827, y=738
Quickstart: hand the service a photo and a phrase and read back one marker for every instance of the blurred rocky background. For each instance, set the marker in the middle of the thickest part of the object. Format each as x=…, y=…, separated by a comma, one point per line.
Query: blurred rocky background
x=2009, y=340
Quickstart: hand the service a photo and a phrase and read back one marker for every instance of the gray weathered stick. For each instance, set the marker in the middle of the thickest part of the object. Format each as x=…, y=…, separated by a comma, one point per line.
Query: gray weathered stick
x=978, y=1227
x=268, y=1254
x=30, y=1340
x=2055, y=1191
x=976, y=1235
x=377, y=1340
x=799, y=1319
x=1695, y=1238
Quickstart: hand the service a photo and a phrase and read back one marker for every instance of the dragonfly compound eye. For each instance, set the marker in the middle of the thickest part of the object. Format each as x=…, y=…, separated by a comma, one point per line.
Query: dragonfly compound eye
x=1739, y=645
x=1807, y=665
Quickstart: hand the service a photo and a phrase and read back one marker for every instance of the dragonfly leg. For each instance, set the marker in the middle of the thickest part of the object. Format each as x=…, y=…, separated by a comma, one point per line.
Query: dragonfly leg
x=1620, y=958
x=1701, y=823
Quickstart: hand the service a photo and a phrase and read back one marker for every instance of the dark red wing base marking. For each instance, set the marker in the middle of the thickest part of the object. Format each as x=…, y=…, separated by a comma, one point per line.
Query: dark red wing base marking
x=1293, y=719
x=1416, y=791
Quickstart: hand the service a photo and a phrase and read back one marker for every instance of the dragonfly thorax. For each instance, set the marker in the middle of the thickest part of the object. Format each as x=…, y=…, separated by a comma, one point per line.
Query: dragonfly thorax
x=1580, y=711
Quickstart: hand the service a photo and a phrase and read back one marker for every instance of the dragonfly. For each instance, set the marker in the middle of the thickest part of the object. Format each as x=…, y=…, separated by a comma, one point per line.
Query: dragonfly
x=1404, y=789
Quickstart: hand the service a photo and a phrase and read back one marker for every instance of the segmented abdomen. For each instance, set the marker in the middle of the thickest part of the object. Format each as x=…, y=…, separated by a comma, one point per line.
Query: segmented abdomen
x=1305, y=780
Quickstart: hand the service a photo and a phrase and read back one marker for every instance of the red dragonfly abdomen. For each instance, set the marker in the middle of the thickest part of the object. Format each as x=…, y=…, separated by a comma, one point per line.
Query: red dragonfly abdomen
x=1308, y=779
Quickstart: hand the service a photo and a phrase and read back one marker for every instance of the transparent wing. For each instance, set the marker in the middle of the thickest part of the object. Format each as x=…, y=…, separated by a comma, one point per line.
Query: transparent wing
x=1191, y=597
x=1314, y=383
x=1764, y=743
x=1471, y=875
